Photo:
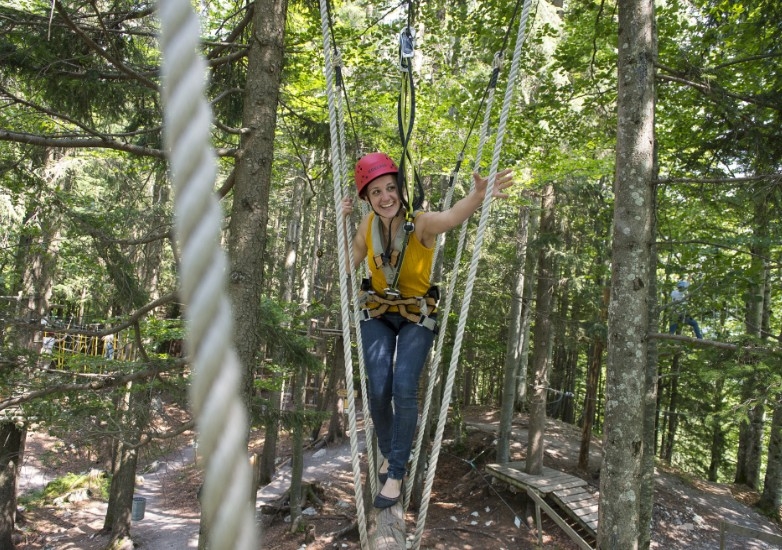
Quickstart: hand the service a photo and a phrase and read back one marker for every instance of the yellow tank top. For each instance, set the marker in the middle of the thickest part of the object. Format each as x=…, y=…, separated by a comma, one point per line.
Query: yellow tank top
x=416, y=267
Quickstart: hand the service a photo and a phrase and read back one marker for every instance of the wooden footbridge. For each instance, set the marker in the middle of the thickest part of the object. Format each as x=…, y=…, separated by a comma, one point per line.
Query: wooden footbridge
x=555, y=489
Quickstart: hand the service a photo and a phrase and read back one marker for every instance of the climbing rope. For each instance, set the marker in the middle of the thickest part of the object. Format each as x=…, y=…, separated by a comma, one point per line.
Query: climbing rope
x=214, y=391
x=445, y=312
x=339, y=173
x=343, y=167
x=486, y=104
x=430, y=472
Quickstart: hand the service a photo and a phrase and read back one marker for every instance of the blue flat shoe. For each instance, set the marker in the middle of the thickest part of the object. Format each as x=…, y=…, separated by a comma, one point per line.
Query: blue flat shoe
x=385, y=502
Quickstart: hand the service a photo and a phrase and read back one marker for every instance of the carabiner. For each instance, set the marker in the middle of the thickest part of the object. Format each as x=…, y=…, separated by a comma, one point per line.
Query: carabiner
x=406, y=47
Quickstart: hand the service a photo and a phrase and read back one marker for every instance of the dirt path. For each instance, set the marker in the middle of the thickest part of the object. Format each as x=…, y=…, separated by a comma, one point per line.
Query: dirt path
x=687, y=514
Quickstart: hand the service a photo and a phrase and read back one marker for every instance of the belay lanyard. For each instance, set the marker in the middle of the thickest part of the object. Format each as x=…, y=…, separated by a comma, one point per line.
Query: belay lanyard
x=406, y=110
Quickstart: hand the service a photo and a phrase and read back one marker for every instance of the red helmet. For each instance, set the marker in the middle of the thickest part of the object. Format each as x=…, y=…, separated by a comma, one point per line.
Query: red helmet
x=373, y=166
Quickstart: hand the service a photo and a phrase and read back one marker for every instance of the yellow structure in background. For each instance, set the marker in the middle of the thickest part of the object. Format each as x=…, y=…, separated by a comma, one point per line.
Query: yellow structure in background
x=59, y=345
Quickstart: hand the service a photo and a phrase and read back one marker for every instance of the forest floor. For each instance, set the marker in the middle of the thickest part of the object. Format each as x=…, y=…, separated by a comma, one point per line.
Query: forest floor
x=466, y=510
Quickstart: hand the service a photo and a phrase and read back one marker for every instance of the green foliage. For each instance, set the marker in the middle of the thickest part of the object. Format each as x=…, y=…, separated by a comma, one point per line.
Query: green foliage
x=95, y=484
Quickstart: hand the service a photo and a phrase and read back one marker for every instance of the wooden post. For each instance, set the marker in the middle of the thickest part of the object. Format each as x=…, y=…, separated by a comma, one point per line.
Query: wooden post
x=255, y=468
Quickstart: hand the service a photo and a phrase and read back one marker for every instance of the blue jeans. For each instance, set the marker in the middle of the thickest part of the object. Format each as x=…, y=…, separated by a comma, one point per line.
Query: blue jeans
x=393, y=389
x=687, y=321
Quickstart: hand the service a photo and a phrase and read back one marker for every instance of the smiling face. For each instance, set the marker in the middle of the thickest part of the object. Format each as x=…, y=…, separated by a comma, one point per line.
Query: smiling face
x=383, y=195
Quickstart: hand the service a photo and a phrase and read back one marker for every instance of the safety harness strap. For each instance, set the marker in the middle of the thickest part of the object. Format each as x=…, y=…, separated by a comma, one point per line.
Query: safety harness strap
x=373, y=305
x=390, y=263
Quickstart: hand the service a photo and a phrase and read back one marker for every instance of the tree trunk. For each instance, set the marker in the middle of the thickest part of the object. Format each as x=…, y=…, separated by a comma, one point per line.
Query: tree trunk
x=35, y=258
x=135, y=410
x=567, y=411
x=670, y=414
x=559, y=362
x=748, y=457
x=530, y=266
x=628, y=314
x=12, y=440
x=593, y=380
x=267, y=468
x=250, y=207
x=541, y=335
x=646, y=504
x=718, y=432
x=514, y=341
x=337, y=428
x=297, y=447
x=299, y=388
x=771, y=499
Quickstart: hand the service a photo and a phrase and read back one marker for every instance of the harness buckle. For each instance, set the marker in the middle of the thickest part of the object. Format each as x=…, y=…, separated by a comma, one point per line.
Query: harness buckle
x=392, y=294
x=428, y=323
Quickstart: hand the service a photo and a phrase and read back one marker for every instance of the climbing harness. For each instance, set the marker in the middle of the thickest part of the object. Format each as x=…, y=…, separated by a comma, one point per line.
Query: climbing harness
x=418, y=309
x=389, y=260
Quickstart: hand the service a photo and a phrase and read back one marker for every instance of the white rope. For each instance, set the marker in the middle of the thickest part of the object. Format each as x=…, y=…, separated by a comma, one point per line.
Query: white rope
x=214, y=390
x=373, y=481
x=434, y=366
x=471, y=279
x=338, y=171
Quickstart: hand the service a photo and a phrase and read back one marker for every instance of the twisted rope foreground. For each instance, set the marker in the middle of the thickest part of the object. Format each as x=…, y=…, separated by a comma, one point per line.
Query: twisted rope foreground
x=214, y=391
x=338, y=172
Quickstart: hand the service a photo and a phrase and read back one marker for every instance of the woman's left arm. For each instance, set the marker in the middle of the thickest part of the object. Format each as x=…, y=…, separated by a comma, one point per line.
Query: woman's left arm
x=431, y=224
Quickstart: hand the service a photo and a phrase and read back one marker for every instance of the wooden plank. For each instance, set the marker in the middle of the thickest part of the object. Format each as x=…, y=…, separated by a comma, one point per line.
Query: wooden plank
x=584, y=495
x=389, y=532
x=575, y=537
x=568, y=492
x=520, y=466
x=591, y=518
x=550, y=481
x=585, y=511
x=575, y=482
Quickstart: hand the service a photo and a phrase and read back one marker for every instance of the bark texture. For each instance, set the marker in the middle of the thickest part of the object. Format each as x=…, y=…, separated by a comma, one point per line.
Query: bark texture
x=515, y=340
x=628, y=317
x=542, y=337
x=250, y=208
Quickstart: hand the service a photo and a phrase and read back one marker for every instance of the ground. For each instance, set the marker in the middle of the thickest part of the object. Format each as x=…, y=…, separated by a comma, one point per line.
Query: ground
x=466, y=511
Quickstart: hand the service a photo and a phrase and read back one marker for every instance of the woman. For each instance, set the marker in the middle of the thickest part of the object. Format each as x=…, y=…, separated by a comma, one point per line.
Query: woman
x=396, y=342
